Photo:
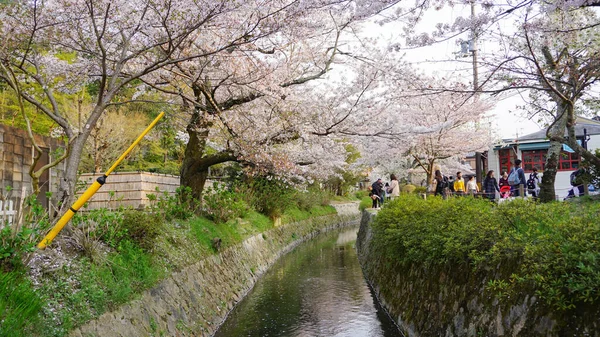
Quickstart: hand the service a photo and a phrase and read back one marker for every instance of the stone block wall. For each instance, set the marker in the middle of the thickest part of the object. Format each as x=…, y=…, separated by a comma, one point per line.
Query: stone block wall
x=196, y=300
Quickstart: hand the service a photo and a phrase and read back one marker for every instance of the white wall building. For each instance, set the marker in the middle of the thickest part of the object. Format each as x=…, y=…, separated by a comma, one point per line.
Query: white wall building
x=532, y=149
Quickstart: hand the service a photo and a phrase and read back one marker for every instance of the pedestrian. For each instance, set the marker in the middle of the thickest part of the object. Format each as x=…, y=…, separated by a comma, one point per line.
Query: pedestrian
x=472, y=187
x=441, y=184
x=459, y=184
x=516, y=179
x=490, y=185
x=577, y=181
x=533, y=183
x=376, y=192
x=394, y=188
x=503, y=180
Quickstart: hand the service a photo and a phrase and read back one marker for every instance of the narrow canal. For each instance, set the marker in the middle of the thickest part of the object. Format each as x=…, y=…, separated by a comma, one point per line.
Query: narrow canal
x=316, y=290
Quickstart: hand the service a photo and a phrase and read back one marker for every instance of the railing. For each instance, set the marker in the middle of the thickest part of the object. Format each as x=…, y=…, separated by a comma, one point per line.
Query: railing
x=7, y=213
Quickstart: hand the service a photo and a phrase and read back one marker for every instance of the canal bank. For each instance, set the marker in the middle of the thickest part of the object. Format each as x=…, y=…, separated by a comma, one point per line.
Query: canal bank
x=194, y=301
x=452, y=299
x=318, y=289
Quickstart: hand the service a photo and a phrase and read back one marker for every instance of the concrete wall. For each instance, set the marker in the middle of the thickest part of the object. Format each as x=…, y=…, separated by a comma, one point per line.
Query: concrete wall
x=452, y=300
x=196, y=300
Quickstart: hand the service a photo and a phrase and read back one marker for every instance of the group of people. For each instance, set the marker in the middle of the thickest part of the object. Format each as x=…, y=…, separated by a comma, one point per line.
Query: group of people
x=444, y=185
x=380, y=192
x=508, y=185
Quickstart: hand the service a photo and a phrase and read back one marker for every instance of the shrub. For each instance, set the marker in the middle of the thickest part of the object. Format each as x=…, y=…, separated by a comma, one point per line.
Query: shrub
x=420, y=190
x=222, y=205
x=408, y=188
x=142, y=228
x=556, y=245
x=181, y=206
x=313, y=196
x=95, y=226
x=270, y=196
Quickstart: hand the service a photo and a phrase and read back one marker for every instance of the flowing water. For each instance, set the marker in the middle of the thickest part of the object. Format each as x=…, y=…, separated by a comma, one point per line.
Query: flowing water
x=316, y=290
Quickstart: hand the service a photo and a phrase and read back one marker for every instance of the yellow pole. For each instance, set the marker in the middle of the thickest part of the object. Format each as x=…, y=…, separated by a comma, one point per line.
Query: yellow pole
x=92, y=189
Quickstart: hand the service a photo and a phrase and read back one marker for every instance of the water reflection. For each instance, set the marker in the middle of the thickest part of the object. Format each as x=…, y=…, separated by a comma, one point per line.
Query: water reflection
x=316, y=290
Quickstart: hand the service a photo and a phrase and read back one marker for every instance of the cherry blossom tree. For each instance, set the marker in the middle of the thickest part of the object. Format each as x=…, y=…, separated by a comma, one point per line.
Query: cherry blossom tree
x=229, y=53
x=547, y=51
x=443, y=125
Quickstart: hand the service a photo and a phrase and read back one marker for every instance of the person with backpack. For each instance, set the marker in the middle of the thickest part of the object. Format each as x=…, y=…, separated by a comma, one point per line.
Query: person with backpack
x=516, y=178
x=533, y=183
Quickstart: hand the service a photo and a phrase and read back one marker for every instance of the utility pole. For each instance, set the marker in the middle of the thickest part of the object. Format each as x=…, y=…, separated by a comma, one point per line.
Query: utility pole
x=473, y=50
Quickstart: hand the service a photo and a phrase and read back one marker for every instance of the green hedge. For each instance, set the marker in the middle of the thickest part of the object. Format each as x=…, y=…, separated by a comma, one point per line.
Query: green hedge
x=557, y=245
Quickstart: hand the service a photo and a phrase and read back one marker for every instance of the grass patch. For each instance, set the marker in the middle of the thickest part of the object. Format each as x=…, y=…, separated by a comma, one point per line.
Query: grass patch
x=365, y=202
x=294, y=214
x=116, y=256
x=19, y=305
x=555, y=246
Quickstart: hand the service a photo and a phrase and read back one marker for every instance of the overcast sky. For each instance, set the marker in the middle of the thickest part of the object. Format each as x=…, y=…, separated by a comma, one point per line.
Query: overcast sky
x=440, y=59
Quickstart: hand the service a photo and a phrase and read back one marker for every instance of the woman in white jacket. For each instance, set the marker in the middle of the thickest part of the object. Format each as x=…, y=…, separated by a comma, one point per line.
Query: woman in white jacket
x=394, y=188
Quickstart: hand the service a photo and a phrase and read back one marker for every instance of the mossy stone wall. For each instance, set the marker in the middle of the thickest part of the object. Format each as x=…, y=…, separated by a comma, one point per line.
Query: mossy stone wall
x=194, y=301
x=453, y=300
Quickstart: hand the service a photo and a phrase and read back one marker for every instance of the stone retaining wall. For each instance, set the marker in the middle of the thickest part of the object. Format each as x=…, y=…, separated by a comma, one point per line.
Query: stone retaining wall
x=452, y=300
x=196, y=300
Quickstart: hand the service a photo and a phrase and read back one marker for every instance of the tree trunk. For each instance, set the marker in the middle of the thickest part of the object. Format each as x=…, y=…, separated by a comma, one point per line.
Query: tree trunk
x=556, y=131
x=429, y=171
x=66, y=187
x=195, y=165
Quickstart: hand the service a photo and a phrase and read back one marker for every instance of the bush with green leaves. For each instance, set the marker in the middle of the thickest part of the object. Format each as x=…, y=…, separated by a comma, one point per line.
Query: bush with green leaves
x=311, y=197
x=221, y=204
x=269, y=195
x=180, y=206
x=555, y=246
x=142, y=228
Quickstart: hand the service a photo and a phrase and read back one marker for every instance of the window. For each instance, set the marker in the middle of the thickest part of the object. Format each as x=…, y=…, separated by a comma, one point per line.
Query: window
x=568, y=161
x=535, y=158
x=506, y=157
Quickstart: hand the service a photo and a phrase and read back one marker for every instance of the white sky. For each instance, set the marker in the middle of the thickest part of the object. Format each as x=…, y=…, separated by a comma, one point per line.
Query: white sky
x=506, y=120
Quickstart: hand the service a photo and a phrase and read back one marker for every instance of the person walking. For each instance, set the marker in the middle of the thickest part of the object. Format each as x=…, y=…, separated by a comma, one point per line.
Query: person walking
x=394, y=188
x=459, y=184
x=516, y=179
x=533, y=183
x=490, y=185
x=472, y=187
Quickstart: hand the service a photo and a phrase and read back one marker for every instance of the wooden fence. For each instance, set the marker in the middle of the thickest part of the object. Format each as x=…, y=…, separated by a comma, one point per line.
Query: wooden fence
x=7, y=213
x=128, y=189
